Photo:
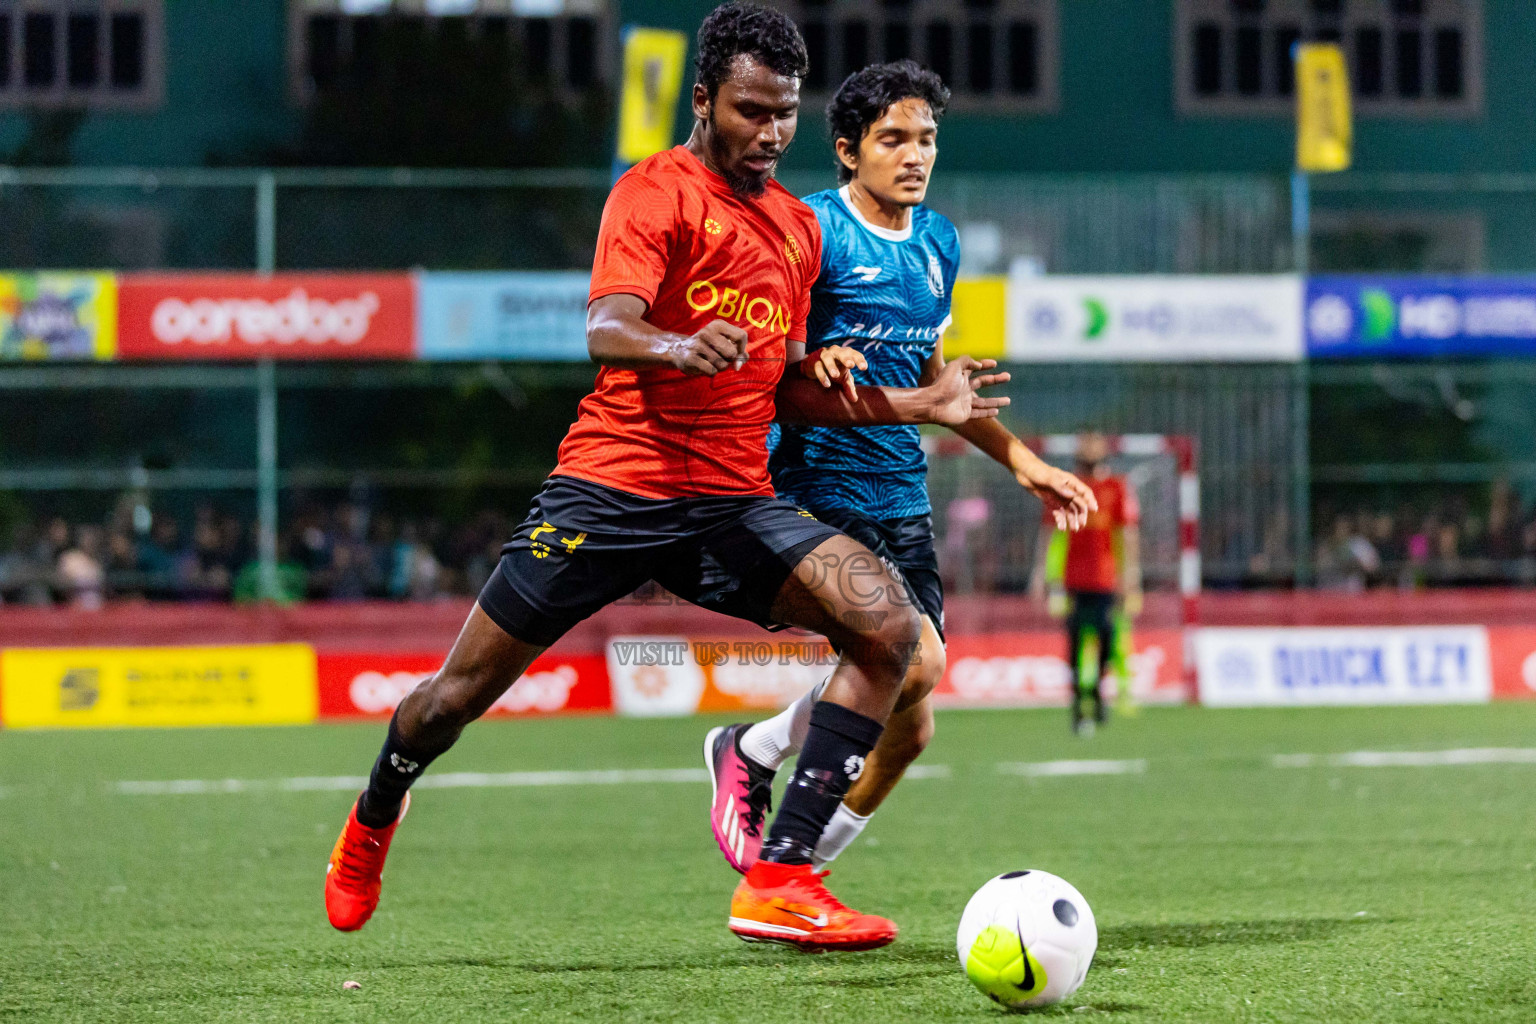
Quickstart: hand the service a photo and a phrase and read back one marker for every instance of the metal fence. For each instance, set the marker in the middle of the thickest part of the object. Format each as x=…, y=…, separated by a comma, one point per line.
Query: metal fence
x=1256, y=425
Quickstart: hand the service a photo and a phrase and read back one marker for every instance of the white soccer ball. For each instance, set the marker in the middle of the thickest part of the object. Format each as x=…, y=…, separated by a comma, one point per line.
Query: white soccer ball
x=1026, y=939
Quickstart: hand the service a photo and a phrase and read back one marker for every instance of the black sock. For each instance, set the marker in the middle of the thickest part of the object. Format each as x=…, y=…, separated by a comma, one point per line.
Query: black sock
x=396, y=769
x=833, y=756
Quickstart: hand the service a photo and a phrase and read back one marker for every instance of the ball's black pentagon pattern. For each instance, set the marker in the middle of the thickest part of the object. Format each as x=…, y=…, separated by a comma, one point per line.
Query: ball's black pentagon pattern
x=1065, y=912
x=1014, y=874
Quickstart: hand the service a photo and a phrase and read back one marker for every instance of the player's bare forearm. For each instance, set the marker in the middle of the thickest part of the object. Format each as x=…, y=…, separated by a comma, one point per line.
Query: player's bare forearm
x=949, y=400
x=1068, y=498
x=619, y=336
x=998, y=443
x=805, y=402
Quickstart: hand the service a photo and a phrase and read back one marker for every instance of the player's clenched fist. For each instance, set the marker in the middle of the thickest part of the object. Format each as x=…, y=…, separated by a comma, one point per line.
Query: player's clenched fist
x=719, y=345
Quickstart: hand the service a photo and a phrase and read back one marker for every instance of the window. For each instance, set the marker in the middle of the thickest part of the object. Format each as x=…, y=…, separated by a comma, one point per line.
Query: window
x=82, y=53
x=1404, y=56
x=561, y=44
x=993, y=54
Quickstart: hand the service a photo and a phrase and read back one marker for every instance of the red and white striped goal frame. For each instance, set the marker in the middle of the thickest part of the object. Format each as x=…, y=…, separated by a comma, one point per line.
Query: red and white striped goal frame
x=1183, y=450
x=1146, y=445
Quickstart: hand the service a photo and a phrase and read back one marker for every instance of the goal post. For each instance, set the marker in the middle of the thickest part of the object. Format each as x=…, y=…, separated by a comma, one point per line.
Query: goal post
x=988, y=537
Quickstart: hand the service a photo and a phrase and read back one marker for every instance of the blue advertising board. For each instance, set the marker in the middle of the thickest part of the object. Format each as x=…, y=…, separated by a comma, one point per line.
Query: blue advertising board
x=535, y=316
x=1405, y=317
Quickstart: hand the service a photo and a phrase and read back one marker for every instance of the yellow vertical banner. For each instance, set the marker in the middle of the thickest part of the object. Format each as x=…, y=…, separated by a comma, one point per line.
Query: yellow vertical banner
x=1324, y=129
x=653, y=78
x=978, y=313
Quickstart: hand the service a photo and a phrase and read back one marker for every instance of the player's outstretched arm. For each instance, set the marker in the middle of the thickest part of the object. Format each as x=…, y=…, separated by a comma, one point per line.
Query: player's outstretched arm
x=618, y=336
x=951, y=399
x=1069, y=499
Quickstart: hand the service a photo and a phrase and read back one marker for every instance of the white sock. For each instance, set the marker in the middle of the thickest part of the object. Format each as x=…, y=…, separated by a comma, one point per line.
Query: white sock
x=839, y=834
x=771, y=742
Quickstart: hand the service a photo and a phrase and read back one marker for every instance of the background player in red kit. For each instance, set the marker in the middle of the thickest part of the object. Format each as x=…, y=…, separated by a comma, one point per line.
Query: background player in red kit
x=700, y=292
x=1103, y=568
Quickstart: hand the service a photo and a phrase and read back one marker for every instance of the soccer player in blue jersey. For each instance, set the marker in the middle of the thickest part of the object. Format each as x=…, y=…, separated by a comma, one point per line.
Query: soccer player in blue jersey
x=878, y=312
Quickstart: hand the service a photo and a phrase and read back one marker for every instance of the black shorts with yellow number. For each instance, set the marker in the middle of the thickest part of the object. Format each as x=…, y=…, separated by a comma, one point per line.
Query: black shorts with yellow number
x=905, y=545
x=585, y=545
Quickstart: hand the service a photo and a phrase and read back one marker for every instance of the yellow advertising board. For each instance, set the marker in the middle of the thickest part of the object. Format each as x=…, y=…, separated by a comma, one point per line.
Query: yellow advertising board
x=58, y=316
x=978, y=308
x=104, y=687
x=1324, y=128
x=653, y=78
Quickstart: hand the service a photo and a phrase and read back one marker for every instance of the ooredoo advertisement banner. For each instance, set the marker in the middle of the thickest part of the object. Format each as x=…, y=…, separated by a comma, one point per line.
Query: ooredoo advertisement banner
x=1336, y=666
x=677, y=675
x=1018, y=670
x=73, y=687
x=1153, y=318
x=287, y=316
x=372, y=685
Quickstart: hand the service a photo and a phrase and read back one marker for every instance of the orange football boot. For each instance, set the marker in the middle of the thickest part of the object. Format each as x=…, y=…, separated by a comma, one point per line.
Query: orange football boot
x=789, y=904
x=352, y=879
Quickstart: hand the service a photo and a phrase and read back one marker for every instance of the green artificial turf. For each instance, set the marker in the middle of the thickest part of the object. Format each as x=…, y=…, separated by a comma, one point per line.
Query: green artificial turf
x=1226, y=889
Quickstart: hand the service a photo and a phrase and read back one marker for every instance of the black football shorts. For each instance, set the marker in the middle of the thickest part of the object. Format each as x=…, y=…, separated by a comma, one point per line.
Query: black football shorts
x=585, y=545
x=905, y=545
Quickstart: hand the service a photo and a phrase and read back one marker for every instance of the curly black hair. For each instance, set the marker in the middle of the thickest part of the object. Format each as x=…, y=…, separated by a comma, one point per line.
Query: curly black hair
x=767, y=36
x=866, y=95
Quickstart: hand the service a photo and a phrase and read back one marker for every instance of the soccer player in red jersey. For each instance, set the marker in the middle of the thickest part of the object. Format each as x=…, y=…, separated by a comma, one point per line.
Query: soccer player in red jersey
x=700, y=293
x=1103, y=569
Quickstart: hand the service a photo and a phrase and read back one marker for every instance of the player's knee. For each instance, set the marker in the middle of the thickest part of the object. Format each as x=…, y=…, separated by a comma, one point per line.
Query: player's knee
x=891, y=636
x=923, y=675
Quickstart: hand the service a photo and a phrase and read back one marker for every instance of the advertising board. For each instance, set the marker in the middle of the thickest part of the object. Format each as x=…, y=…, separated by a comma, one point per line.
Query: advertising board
x=372, y=685
x=58, y=316
x=1155, y=318
x=1408, y=317
x=503, y=316
x=1354, y=666
x=74, y=687
x=286, y=316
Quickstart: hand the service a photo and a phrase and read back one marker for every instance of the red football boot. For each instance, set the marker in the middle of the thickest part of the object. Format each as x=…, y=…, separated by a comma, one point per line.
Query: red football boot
x=352, y=879
x=789, y=904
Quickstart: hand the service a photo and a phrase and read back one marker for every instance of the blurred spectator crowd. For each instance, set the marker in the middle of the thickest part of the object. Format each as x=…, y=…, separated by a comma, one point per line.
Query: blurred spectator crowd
x=343, y=553
x=1452, y=544
x=346, y=552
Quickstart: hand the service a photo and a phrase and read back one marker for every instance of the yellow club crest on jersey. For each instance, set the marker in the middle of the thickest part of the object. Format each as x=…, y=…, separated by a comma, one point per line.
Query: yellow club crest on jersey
x=792, y=250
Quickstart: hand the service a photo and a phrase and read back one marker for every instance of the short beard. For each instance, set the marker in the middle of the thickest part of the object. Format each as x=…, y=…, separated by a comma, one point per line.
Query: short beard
x=746, y=186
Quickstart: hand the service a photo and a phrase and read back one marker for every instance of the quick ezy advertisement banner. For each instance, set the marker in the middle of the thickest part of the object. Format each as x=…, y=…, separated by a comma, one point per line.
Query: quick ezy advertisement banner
x=1333, y=666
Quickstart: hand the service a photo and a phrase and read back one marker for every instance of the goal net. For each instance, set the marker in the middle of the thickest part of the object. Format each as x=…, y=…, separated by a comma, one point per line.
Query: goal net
x=988, y=533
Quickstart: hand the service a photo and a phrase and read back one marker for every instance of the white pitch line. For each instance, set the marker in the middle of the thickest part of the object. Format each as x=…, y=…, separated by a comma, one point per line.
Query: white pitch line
x=446, y=780
x=1043, y=769
x=1408, y=758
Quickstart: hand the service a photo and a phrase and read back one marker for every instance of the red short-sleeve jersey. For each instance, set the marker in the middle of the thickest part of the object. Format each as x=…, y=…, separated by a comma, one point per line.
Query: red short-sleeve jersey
x=1091, y=551
x=677, y=236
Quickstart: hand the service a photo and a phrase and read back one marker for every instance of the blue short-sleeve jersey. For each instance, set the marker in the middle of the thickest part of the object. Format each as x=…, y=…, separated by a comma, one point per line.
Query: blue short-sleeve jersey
x=887, y=294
